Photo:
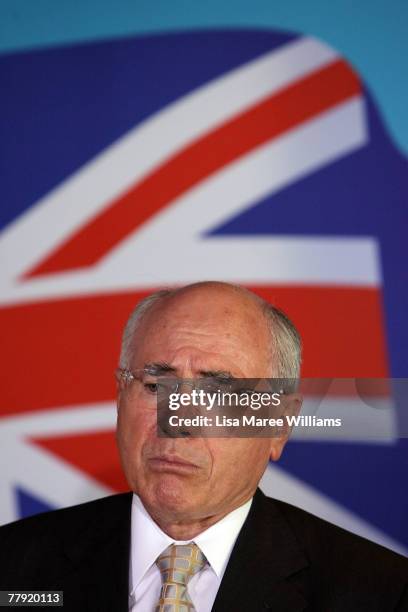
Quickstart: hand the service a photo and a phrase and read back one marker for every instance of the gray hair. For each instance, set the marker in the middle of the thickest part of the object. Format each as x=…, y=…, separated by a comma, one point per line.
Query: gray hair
x=135, y=317
x=286, y=341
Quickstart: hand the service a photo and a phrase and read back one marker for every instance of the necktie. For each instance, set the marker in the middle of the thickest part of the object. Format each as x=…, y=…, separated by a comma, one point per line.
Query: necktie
x=177, y=564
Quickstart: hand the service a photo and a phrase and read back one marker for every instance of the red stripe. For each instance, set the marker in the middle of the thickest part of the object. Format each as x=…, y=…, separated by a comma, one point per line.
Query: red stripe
x=65, y=351
x=269, y=119
x=93, y=453
x=341, y=328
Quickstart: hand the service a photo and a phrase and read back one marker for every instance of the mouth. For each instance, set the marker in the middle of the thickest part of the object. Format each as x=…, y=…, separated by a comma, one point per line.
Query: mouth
x=172, y=463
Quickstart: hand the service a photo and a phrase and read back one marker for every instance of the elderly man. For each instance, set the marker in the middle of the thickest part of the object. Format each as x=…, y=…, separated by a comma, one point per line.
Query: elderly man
x=196, y=534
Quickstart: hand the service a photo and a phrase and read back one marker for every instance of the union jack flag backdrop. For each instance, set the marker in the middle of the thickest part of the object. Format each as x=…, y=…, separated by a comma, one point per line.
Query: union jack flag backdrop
x=249, y=156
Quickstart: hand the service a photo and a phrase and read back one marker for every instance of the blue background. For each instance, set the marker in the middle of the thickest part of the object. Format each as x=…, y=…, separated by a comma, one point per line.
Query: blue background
x=373, y=37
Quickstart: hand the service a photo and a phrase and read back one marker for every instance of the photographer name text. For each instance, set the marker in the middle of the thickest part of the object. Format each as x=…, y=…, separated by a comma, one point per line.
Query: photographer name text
x=253, y=421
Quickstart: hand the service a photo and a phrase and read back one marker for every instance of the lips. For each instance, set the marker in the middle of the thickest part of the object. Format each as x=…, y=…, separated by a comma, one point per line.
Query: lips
x=172, y=463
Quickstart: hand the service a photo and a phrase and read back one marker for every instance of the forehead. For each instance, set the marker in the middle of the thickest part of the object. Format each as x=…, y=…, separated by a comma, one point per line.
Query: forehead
x=208, y=329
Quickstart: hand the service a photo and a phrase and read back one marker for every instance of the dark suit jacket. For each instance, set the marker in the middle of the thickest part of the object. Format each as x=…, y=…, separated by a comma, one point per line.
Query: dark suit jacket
x=284, y=560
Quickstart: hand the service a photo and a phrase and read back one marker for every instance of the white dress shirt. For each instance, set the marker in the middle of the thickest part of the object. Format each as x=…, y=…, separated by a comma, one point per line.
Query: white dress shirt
x=148, y=541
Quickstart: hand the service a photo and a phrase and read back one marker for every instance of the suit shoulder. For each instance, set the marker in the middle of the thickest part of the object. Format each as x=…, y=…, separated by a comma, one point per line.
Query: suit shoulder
x=65, y=520
x=33, y=551
x=325, y=542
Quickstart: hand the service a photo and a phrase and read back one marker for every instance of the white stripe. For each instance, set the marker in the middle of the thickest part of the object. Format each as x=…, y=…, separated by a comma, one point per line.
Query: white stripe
x=281, y=485
x=127, y=161
x=238, y=186
x=374, y=424
x=8, y=507
x=287, y=261
x=54, y=422
x=41, y=472
x=283, y=261
x=33, y=469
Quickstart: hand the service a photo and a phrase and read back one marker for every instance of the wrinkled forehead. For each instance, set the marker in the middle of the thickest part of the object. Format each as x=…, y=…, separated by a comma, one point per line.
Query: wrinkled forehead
x=208, y=310
x=219, y=325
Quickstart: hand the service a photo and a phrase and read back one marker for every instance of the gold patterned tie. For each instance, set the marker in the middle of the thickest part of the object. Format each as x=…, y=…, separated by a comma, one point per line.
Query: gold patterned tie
x=177, y=564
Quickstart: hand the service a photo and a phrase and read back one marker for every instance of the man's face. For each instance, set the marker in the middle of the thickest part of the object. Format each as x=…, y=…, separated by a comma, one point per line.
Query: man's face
x=196, y=332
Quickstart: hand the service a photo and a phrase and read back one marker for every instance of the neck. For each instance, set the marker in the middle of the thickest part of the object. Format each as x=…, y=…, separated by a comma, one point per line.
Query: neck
x=187, y=528
x=182, y=530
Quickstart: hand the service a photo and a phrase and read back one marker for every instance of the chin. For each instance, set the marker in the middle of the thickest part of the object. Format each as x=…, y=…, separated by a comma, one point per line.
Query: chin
x=171, y=497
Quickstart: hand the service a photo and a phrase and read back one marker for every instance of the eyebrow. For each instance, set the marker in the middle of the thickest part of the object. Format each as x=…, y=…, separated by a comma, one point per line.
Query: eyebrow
x=224, y=374
x=158, y=368
x=162, y=367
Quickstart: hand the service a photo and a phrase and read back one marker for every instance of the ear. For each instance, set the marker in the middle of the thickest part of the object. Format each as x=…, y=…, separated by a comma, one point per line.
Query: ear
x=119, y=387
x=291, y=405
x=118, y=395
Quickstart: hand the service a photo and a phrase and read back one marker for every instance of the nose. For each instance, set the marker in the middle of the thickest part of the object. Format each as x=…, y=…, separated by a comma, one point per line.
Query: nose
x=172, y=422
x=165, y=428
x=185, y=386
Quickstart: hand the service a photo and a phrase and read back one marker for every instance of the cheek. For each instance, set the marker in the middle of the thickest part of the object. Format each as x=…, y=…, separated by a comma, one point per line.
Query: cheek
x=133, y=429
x=239, y=460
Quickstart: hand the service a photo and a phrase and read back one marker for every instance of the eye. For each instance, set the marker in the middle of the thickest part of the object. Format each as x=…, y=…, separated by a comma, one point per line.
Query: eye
x=248, y=392
x=151, y=388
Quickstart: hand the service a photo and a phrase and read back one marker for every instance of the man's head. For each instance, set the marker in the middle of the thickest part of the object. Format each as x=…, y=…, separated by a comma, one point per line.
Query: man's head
x=193, y=332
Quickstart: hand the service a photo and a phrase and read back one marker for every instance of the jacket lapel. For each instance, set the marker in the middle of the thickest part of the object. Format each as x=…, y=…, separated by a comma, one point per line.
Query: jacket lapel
x=265, y=568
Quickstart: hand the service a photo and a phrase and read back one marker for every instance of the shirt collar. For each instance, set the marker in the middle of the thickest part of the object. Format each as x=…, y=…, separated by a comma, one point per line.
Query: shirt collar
x=217, y=542
x=148, y=541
